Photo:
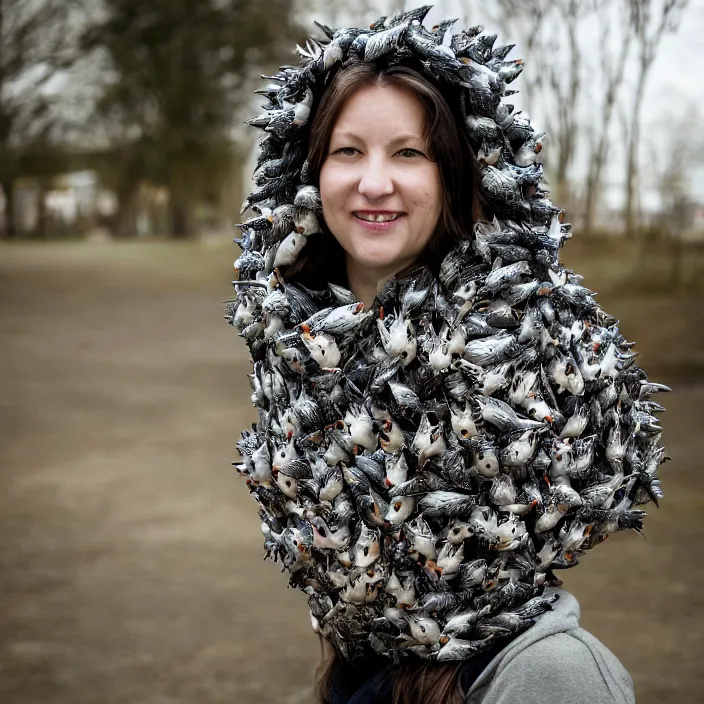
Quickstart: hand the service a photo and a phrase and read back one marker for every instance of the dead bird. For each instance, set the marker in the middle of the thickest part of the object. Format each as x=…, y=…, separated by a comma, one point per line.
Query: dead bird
x=486, y=424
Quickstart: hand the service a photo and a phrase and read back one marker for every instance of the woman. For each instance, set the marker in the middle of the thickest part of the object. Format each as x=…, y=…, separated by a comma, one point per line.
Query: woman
x=429, y=176
x=445, y=414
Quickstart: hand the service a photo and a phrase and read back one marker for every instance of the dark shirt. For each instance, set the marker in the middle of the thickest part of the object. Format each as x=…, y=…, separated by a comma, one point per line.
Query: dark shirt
x=377, y=682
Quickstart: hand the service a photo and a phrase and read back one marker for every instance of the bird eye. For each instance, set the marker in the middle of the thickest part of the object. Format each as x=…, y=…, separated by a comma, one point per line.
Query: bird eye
x=397, y=506
x=322, y=531
x=455, y=530
x=404, y=354
x=481, y=455
x=422, y=628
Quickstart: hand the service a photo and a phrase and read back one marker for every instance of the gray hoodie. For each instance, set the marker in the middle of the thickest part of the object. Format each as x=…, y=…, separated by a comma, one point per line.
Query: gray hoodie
x=554, y=661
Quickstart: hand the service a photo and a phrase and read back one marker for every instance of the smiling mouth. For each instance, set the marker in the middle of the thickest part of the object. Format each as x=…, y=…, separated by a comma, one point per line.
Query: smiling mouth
x=377, y=217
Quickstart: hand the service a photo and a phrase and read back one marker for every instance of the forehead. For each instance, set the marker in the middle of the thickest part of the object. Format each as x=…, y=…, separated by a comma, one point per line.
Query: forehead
x=381, y=110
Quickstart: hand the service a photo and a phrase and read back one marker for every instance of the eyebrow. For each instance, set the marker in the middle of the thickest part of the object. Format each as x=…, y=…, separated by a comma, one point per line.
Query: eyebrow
x=396, y=140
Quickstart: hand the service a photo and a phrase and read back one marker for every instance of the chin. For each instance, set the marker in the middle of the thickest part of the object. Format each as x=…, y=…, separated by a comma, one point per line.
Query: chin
x=379, y=251
x=382, y=260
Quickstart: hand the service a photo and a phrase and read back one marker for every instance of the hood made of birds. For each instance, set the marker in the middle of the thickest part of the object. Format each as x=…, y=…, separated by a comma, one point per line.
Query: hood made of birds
x=423, y=467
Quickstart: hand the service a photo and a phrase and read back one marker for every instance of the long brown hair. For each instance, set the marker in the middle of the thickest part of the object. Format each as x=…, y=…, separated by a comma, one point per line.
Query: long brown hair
x=415, y=681
x=323, y=258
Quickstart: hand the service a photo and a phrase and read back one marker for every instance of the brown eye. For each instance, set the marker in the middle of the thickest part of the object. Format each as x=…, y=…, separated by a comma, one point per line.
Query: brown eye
x=397, y=506
x=558, y=457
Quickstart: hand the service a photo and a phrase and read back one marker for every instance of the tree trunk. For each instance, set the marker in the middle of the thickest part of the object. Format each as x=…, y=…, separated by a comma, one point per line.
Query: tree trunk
x=181, y=220
x=567, y=100
x=125, y=225
x=8, y=189
x=630, y=216
x=640, y=17
x=41, y=229
x=599, y=154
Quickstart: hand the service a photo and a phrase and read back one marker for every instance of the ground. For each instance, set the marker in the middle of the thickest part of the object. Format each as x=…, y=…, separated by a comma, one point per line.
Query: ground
x=130, y=552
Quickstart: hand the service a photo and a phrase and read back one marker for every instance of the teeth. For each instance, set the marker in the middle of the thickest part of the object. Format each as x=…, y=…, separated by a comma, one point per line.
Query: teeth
x=377, y=218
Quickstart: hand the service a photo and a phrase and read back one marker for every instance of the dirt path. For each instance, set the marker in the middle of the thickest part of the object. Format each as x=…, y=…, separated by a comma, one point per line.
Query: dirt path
x=130, y=552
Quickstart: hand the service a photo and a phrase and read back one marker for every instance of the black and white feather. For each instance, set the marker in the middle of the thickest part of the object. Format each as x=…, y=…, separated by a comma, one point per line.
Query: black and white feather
x=435, y=467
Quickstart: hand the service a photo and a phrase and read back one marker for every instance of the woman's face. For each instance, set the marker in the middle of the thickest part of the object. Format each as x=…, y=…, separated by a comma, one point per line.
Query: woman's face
x=381, y=193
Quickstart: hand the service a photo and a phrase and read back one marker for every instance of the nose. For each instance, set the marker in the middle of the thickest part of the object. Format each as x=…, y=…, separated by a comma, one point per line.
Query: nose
x=375, y=180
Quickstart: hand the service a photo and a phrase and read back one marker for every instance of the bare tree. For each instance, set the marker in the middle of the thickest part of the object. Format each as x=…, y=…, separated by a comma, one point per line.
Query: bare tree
x=33, y=41
x=672, y=160
x=178, y=74
x=547, y=32
x=566, y=84
x=612, y=70
x=524, y=21
x=650, y=21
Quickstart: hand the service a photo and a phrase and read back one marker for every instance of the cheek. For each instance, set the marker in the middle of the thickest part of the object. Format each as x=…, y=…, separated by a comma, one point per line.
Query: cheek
x=435, y=190
x=429, y=193
x=333, y=195
x=333, y=185
x=325, y=184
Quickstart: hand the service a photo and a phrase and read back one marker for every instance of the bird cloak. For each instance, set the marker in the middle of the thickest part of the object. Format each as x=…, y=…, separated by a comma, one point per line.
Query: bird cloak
x=423, y=467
